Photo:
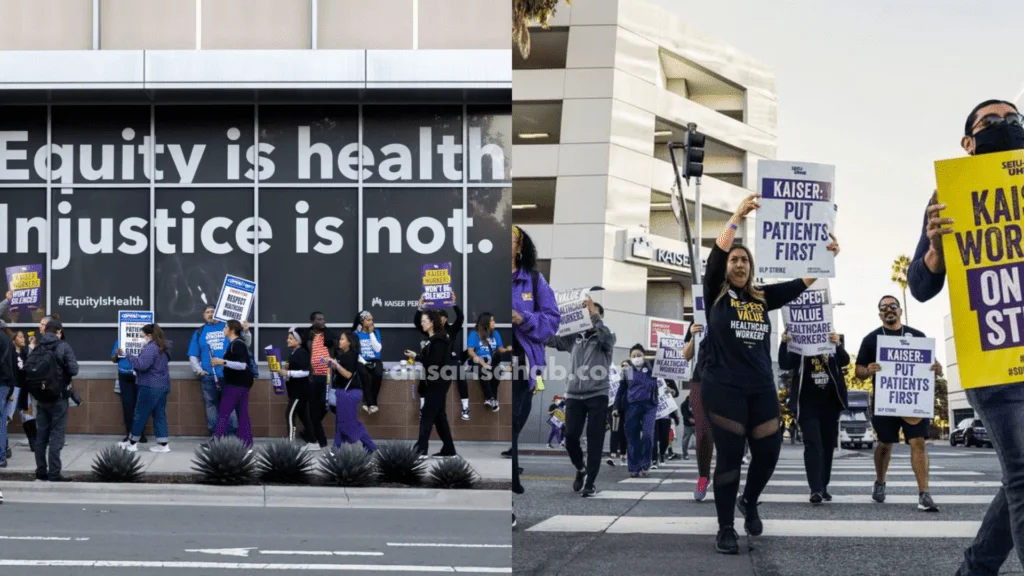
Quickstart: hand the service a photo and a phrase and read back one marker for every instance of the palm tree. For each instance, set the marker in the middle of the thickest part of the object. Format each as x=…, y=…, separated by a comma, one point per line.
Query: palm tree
x=526, y=12
x=899, y=276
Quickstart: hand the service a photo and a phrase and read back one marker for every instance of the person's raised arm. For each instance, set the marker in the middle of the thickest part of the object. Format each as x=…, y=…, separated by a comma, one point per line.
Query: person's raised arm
x=927, y=271
x=714, y=275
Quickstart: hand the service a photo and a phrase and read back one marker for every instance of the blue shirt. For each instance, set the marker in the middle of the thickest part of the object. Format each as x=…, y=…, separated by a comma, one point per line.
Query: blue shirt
x=484, y=348
x=123, y=365
x=210, y=340
x=366, y=347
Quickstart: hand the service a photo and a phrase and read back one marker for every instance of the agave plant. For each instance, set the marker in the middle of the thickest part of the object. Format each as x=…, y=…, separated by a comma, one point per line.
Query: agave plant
x=399, y=463
x=284, y=462
x=225, y=461
x=113, y=464
x=350, y=466
x=452, y=473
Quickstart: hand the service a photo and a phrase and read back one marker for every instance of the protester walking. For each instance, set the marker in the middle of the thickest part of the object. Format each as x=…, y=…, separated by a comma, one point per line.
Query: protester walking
x=24, y=401
x=738, y=386
x=437, y=364
x=48, y=369
x=238, y=379
x=348, y=393
x=663, y=426
x=369, y=349
x=457, y=355
x=8, y=382
x=128, y=390
x=154, y=384
x=705, y=448
x=586, y=396
x=637, y=399
x=206, y=344
x=993, y=126
x=535, y=319
x=322, y=344
x=300, y=391
x=817, y=395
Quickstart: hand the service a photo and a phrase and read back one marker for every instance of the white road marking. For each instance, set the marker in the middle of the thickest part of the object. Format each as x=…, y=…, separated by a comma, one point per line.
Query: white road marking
x=444, y=545
x=636, y=495
x=707, y=526
x=317, y=553
x=866, y=466
x=45, y=538
x=842, y=483
x=836, y=472
x=252, y=566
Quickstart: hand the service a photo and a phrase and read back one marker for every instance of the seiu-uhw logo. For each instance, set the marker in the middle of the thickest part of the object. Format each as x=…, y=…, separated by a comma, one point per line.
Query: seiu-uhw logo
x=799, y=170
x=905, y=342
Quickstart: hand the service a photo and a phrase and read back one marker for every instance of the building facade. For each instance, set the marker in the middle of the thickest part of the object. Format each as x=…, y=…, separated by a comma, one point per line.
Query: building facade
x=605, y=89
x=325, y=149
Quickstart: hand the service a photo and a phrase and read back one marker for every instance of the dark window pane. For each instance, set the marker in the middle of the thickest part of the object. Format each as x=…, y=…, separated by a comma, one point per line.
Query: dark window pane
x=100, y=144
x=412, y=144
x=100, y=241
x=22, y=134
x=312, y=261
x=490, y=273
x=180, y=339
x=310, y=144
x=490, y=144
x=23, y=238
x=91, y=344
x=204, y=144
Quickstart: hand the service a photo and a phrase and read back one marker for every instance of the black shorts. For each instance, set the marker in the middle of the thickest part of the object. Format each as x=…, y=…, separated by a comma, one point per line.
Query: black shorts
x=888, y=429
x=749, y=408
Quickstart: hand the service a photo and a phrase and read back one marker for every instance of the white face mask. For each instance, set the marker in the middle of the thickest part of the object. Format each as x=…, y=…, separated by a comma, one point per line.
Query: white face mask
x=637, y=362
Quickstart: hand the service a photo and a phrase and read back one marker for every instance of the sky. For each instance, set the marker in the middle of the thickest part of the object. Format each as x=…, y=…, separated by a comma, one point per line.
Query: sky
x=881, y=90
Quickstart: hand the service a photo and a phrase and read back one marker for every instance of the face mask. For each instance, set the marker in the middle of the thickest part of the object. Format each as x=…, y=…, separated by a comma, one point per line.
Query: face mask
x=999, y=138
x=637, y=362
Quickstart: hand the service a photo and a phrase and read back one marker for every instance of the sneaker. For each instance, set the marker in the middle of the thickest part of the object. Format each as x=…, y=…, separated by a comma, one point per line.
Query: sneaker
x=494, y=406
x=686, y=456
x=465, y=413
x=129, y=447
x=644, y=473
x=727, y=542
x=702, y=489
x=878, y=492
x=507, y=453
x=589, y=492
x=816, y=498
x=577, y=484
x=752, y=522
x=610, y=461
x=9, y=452
x=143, y=440
x=375, y=409
x=1, y=497
x=925, y=503
x=366, y=408
x=634, y=474
x=513, y=519
x=161, y=448
x=442, y=456
x=622, y=459
x=826, y=496
x=654, y=465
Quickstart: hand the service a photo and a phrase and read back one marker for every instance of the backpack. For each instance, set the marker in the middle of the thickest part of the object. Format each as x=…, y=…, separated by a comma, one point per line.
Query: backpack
x=43, y=376
x=252, y=357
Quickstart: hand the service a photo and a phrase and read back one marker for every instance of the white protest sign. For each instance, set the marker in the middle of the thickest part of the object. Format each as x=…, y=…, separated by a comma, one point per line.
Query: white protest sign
x=614, y=378
x=668, y=359
x=235, y=300
x=808, y=320
x=666, y=403
x=699, y=316
x=906, y=384
x=129, y=330
x=575, y=318
x=797, y=213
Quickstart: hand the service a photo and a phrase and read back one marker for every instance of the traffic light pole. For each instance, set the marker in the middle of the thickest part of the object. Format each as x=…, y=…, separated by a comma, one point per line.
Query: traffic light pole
x=694, y=244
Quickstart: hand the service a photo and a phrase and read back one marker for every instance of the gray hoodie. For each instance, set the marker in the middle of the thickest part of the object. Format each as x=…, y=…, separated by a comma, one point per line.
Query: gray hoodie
x=591, y=356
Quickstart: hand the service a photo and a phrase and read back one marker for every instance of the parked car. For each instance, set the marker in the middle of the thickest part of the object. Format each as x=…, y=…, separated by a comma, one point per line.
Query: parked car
x=970, y=432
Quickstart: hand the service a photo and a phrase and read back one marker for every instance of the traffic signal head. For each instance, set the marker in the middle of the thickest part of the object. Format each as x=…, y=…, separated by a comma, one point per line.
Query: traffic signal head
x=693, y=163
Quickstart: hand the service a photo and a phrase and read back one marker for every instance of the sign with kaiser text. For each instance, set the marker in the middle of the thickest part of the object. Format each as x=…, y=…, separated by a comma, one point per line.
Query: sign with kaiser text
x=985, y=264
x=906, y=384
x=25, y=283
x=129, y=330
x=797, y=214
x=437, y=285
x=236, y=297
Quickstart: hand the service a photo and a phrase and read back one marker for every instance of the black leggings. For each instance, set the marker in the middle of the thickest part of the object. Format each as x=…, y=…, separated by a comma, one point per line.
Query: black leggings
x=821, y=432
x=739, y=417
x=298, y=407
x=371, y=389
x=434, y=416
x=661, y=435
x=318, y=409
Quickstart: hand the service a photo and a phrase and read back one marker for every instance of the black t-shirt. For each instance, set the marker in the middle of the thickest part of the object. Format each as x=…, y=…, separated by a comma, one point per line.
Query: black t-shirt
x=868, y=353
x=738, y=341
x=237, y=352
x=299, y=362
x=817, y=392
x=350, y=362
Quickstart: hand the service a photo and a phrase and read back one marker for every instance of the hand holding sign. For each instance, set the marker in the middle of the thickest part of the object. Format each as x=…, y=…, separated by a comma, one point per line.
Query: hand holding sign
x=833, y=338
x=937, y=368
x=748, y=205
x=9, y=295
x=937, y=225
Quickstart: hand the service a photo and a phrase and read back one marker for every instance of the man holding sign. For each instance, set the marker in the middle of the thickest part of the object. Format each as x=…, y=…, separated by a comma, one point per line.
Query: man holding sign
x=915, y=430
x=970, y=219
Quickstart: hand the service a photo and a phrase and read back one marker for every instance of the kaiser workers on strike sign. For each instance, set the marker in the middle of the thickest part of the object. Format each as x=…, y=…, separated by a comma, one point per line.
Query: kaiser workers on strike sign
x=985, y=264
x=796, y=217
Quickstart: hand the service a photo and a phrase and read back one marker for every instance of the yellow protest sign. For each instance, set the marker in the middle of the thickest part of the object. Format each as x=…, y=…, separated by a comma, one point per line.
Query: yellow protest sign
x=985, y=264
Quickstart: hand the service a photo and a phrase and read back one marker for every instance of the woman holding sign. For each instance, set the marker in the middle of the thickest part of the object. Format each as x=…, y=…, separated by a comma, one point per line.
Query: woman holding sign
x=154, y=384
x=738, y=387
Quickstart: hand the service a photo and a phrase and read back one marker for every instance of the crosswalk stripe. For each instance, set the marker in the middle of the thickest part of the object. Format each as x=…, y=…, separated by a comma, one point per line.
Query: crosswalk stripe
x=858, y=472
x=866, y=466
x=708, y=526
x=637, y=495
x=842, y=483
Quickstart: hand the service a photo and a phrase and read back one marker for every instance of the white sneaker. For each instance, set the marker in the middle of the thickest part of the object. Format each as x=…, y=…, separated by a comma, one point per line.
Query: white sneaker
x=1, y=497
x=374, y=409
x=366, y=408
x=128, y=446
x=161, y=449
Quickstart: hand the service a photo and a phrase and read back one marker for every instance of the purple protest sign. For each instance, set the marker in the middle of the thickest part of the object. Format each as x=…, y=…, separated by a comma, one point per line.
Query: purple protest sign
x=437, y=285
x=25, y=282
x=274, y=363
x=995, y=296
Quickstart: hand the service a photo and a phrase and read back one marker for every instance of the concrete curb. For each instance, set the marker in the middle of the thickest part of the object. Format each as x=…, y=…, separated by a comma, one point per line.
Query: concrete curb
x=255, y=496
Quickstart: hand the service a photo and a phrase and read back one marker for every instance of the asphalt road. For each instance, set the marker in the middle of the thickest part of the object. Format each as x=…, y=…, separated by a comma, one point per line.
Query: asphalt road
x=657, y=528
x=68, y=539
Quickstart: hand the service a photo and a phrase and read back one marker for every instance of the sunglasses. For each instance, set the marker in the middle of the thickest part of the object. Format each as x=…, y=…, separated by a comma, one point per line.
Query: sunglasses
x=885, y=307
x=990, y=120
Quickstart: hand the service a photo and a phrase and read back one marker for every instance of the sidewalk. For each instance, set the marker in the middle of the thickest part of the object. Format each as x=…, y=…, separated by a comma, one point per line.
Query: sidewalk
x=81, y=450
